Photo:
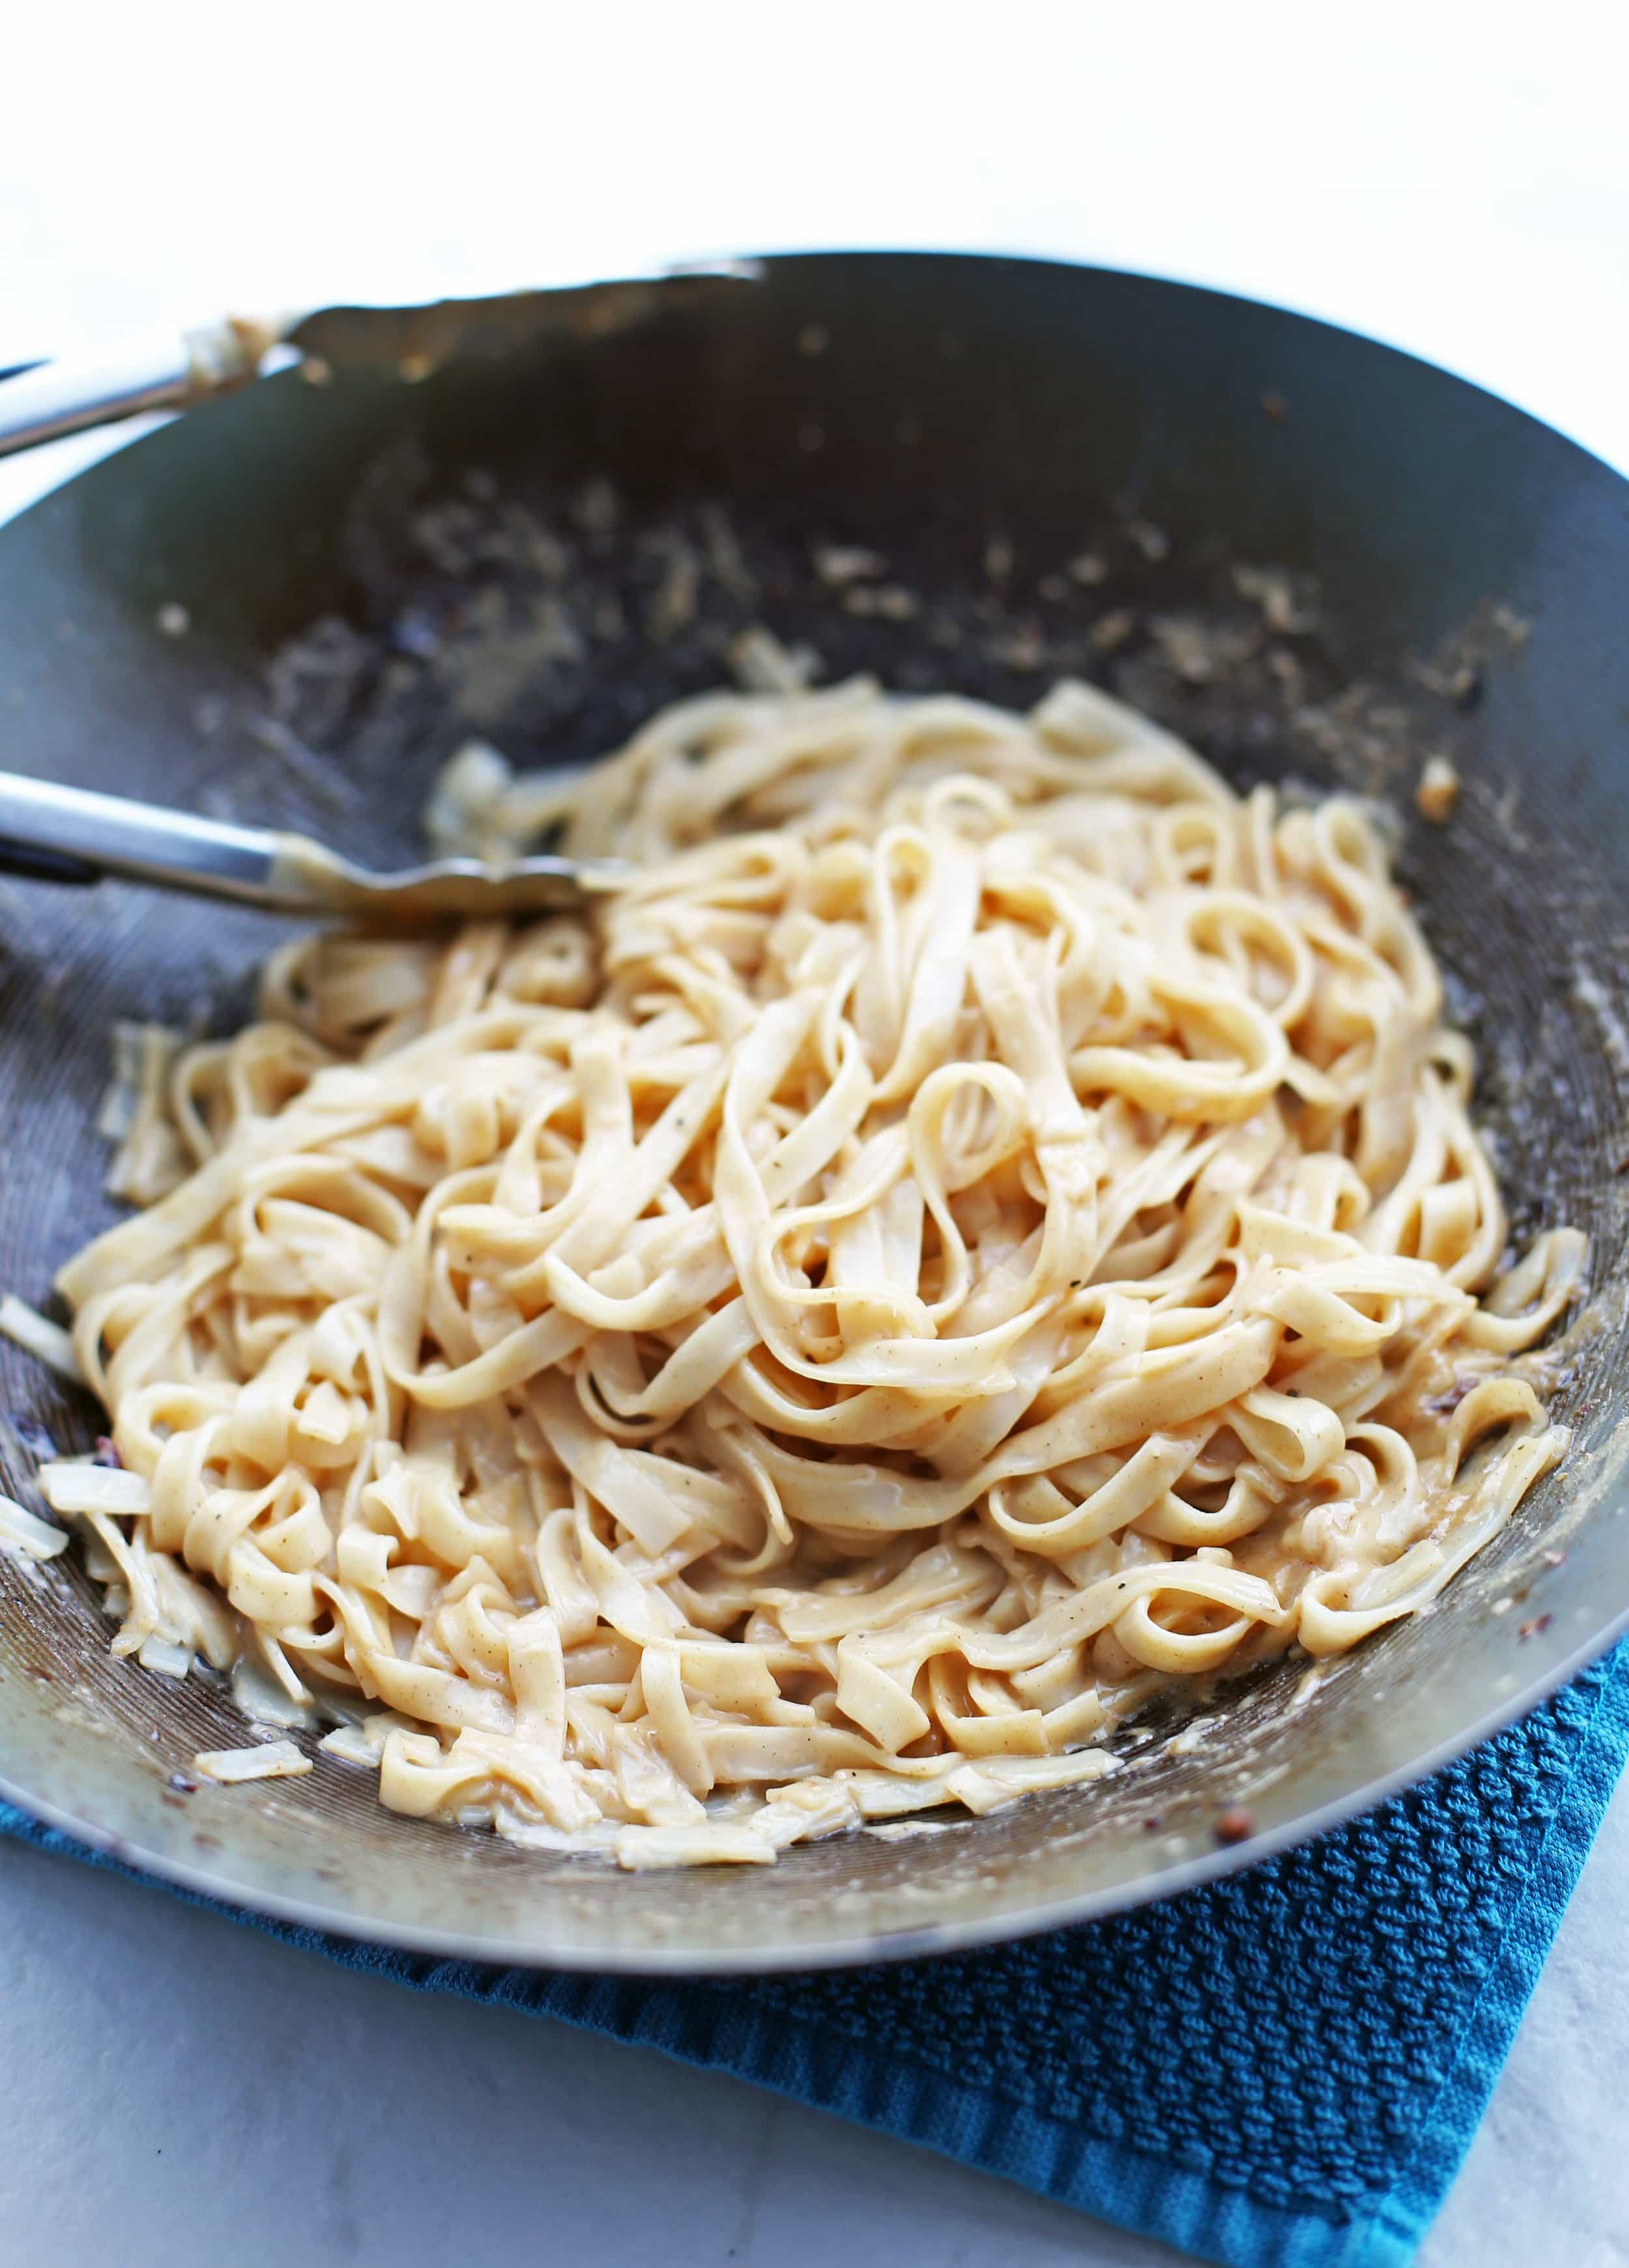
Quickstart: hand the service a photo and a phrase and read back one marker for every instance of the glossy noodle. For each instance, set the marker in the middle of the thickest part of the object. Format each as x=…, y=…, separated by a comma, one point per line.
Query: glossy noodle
x=984, y=1227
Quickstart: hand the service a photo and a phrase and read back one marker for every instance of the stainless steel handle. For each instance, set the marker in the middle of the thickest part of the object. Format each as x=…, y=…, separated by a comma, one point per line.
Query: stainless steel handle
x=68, y=834
x=52, y=833
x=178, y=368
x=168, y=372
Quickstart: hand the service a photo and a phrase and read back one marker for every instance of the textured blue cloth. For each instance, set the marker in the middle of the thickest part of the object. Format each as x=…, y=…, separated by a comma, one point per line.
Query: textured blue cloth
x=1281, y=2071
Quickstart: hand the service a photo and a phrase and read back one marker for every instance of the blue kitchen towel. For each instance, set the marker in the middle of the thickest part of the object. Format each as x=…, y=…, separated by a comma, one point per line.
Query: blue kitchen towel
x=1281, y=2071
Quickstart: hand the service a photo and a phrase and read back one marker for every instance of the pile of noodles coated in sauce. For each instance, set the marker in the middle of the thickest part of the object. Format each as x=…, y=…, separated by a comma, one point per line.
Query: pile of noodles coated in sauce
x=984, y=1227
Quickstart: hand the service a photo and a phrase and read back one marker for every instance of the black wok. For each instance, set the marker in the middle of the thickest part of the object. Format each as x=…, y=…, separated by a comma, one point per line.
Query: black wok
x=536, y=521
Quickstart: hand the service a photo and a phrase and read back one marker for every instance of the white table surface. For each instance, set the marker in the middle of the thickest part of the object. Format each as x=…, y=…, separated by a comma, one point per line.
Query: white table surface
x=1453, y=178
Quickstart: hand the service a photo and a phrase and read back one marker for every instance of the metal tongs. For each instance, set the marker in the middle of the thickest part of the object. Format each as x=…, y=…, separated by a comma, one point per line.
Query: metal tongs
x=179, y=369
x=67, y=835
x=57, y=833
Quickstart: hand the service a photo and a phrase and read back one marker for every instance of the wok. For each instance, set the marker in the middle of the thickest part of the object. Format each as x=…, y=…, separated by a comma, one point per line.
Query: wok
x=536, y=520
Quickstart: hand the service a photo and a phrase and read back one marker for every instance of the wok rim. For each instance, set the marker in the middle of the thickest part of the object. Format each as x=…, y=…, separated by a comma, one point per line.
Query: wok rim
x=838, y=1952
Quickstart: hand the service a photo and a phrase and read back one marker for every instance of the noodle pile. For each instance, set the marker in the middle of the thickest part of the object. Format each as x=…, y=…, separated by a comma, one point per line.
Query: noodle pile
x=984, y=1226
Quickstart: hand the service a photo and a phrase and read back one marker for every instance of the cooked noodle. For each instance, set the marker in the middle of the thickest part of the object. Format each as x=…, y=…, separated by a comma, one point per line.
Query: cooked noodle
x=984, y=1226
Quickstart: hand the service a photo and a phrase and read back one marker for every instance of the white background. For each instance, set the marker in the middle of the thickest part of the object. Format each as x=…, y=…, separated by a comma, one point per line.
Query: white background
x=1454, y=179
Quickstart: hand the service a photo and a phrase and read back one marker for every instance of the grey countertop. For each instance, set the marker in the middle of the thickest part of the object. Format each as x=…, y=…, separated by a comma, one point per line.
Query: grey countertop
x=176, y=2087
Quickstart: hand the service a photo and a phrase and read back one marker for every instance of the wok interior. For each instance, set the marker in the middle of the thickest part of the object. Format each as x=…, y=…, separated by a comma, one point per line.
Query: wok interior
x=1319, y=561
